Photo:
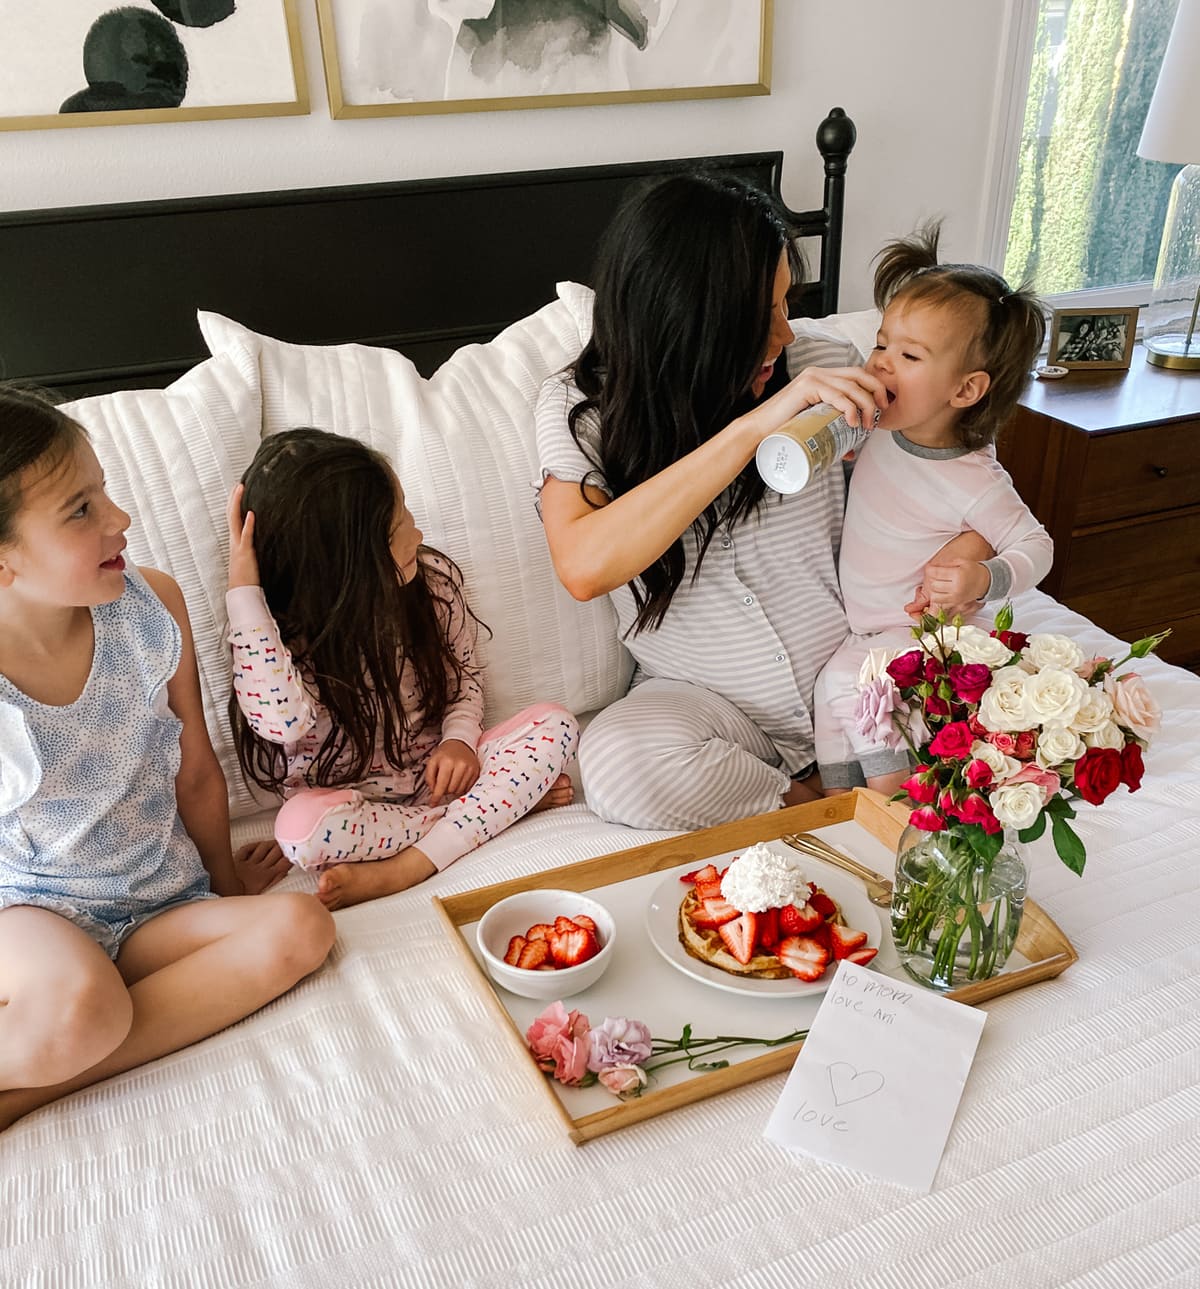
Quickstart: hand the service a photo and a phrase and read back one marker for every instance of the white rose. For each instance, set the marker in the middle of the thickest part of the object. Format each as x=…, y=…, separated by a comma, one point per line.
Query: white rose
x=1133, y=705
x=1052, y=651
x=1004, y=705
x=975, y=645
x=1108, y=735
x=874, y=665
x=1002, y=767
x=1095, y=710
x=1016, y=805
x=1054, y=695
x=1056, y=744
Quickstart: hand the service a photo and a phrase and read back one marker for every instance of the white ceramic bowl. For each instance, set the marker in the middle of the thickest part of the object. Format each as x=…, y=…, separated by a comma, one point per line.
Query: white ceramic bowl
x=515, y=915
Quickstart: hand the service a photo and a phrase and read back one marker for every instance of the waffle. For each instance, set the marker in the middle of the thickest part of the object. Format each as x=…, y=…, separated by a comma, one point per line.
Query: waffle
x=706, y=945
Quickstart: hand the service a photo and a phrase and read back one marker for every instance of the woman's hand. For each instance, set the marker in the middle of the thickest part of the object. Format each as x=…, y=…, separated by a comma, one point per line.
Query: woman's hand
x=857, y=394
x=451, y=770
x=243, y=563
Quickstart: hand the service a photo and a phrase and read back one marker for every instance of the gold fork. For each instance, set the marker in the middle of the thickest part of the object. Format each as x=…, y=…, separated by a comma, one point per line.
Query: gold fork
x=879, y=889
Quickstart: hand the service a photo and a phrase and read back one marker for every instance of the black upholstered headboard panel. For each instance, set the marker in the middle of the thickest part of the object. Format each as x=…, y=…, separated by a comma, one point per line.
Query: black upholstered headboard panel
x=105, y=297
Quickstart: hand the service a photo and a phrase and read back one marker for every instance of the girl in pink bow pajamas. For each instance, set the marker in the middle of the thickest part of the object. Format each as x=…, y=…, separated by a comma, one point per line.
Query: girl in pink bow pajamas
x=357, y=695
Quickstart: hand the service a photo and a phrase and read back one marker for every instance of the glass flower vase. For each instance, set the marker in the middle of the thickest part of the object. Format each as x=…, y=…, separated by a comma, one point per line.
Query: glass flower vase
x=955, y=912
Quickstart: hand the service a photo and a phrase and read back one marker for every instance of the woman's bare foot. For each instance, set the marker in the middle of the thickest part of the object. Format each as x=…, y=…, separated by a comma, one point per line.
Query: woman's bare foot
x=345, y=884
x=560, y=793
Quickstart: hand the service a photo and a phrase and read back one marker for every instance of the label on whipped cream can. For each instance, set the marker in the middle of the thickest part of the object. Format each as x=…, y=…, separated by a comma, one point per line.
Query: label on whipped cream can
x=795, y=454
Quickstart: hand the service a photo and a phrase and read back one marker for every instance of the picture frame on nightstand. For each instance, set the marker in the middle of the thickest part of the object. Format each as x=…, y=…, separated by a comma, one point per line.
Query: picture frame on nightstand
x=1092, y=339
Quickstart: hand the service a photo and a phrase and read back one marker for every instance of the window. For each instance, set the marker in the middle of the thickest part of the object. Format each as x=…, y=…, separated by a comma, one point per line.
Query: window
x=1087, y=213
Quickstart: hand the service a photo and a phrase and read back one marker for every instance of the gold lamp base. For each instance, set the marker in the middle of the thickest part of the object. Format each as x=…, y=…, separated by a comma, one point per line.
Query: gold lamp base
x=1178, y=352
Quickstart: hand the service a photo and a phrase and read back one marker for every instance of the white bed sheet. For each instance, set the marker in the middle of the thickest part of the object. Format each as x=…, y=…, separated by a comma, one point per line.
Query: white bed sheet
x=371, y=1127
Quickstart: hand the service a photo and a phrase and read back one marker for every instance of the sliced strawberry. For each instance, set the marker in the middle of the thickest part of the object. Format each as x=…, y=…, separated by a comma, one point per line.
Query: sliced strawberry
x=513, y=952
x=534, y=954
x=562, y=925
x=768, y=928
x=709, y=891
x=845, y=939
x=822, y=903
x=861, y=956
x=539, y=931
x=714, y=913
x=803, y=956
x=739, y=936
x=582, y=919
x=798, y=921
x=821, y=936
x=706, y=874
x=570, y=948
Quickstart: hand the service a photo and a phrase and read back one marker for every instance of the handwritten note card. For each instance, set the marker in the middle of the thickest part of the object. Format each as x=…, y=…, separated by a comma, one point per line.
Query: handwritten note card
x=878, y=1080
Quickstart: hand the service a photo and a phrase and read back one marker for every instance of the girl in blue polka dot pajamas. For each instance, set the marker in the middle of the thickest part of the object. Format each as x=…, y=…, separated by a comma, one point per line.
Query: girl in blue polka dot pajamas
x=114, y=822
x=357, y=691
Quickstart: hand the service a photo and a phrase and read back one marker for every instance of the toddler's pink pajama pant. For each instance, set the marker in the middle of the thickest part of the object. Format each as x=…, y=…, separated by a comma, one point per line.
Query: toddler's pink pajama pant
x=518, y=761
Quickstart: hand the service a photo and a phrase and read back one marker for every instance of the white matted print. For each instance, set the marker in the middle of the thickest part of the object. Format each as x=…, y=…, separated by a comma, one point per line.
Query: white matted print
x=97, y=62
x=402, y=57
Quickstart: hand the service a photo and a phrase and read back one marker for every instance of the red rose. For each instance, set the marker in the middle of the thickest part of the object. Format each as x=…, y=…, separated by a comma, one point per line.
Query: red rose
x=927, y=819
x=920, y=789
x=978, y=774
x=1131, y=766
x=953, y=741
x=906, y=669
x=969, y=680
x=1025, y=745
x=1014, y=640
x=1098, y=773
x=946, y=803
x=933, y=668
x=975, y=810
x=934, y=706
x=976, y=726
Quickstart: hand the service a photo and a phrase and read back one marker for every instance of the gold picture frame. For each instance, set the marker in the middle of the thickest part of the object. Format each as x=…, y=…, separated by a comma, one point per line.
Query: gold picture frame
x=78, y=52
x=1092, y=339
x=470, y=63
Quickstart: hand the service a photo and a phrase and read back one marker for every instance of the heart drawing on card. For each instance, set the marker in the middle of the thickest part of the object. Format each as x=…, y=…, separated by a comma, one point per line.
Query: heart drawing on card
x=849, y=1084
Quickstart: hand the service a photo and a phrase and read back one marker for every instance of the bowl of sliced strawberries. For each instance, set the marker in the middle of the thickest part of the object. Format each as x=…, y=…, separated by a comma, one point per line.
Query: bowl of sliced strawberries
x=547, y=943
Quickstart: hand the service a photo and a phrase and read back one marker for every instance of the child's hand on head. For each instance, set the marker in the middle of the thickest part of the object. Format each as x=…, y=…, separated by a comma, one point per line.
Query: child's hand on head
x=243, y=563
x=955, y=585
x=451, y=770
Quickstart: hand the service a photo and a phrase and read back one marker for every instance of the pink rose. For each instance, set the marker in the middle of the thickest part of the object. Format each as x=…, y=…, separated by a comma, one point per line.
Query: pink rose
x=1088, y=668
x=978, y=774
x=970, y=680
x=1133, y=705
x=1002, y=742
x=976, y=726
x=558, y=1040
x=927, y=819
x=921, y=788
x=953, y=741
x=906, y=669
x=623, y=1080
x=1046, y=780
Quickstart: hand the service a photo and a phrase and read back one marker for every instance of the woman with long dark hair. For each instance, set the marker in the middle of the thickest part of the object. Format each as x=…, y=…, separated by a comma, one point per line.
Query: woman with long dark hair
x=726, y=595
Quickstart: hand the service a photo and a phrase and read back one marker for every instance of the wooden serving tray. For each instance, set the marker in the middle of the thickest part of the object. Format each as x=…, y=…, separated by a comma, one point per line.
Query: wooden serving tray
x=1042, y=951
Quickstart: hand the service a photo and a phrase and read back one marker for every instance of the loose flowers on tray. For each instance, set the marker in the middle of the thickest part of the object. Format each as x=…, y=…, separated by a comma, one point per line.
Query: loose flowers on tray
x=1008, y=731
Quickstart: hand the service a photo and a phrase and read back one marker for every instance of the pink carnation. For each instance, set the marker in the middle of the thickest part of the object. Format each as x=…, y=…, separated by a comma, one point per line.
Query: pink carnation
x=873, y=712
x=558, y=1040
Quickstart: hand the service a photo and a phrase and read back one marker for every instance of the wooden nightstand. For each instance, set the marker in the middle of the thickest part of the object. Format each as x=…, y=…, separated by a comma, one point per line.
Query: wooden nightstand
x=1110, y=463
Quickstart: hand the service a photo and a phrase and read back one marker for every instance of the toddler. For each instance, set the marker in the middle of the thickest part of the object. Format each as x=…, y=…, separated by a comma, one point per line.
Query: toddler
x=356, y=690
x=114, y=822
x=953, y=352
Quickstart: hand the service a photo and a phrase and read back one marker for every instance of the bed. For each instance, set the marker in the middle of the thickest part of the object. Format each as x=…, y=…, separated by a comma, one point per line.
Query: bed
x=371, y=1127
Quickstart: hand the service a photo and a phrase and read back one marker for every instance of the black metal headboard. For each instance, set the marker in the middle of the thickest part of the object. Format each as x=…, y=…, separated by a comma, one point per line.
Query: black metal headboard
x=104, y=297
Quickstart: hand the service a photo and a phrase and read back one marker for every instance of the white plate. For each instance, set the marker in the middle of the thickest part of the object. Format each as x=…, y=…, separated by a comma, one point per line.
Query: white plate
x=662, y=922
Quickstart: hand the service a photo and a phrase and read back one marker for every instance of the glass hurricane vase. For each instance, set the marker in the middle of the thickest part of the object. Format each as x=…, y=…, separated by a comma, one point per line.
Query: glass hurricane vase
x=955, y=911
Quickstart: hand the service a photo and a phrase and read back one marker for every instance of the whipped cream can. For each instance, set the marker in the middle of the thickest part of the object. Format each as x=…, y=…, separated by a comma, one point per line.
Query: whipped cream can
x=804, y=447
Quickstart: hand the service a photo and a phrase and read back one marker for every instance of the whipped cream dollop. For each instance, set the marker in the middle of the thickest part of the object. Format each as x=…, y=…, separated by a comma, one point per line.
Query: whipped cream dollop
x=761, y=878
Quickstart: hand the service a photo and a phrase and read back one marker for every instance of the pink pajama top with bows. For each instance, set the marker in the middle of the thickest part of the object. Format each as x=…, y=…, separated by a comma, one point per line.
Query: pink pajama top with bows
x=282, y=708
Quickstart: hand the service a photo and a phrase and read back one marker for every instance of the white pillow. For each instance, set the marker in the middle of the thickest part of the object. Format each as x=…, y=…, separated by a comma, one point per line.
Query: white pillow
x=857, y=328
x=170, y=457
x=462, y=443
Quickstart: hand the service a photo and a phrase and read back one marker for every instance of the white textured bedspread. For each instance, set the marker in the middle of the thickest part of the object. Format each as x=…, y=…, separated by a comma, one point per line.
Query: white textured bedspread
x=371, y=1128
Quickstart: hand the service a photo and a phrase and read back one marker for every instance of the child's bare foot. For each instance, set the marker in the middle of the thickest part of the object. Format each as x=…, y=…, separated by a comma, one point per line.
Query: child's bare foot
x=345, y=884
x=560, y=793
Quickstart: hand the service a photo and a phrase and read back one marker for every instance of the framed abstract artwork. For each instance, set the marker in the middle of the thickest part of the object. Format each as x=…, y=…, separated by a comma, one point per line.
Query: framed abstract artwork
x=100, y=62
x=408, y=57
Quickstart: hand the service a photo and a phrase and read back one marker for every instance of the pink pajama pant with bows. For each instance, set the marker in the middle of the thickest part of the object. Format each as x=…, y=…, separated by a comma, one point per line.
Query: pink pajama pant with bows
x=518, y=761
